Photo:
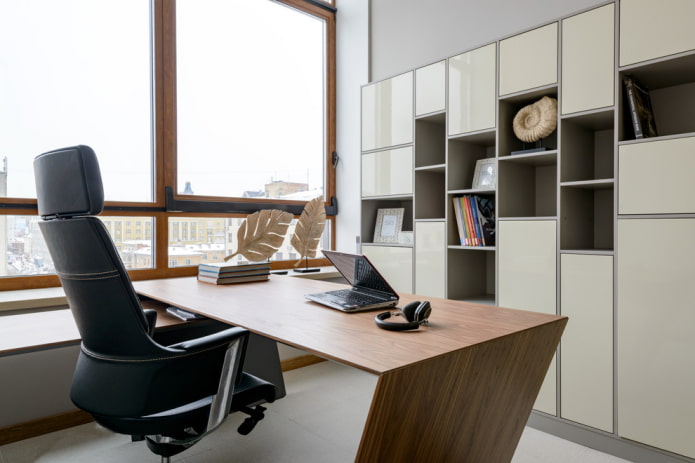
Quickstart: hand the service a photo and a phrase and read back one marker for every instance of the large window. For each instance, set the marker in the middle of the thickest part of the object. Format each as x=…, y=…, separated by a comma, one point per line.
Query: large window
x=251, y=91
x=230, y=100
x=69, y=75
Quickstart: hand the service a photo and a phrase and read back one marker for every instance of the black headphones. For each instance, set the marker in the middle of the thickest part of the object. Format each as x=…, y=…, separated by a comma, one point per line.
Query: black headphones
x=416, y=313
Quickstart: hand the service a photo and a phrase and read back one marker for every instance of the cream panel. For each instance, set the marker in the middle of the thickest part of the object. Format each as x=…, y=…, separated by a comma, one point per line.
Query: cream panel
x=394, y=263
x=430, y=88
x=588, y=60
x=387, y=173
x=657, y=177
x=656, y=346
x=651, y=29
x=472, y=94
x=387, y=112
x=529, y=60
x=586, y=297
x=526, y=280
x=430, y=259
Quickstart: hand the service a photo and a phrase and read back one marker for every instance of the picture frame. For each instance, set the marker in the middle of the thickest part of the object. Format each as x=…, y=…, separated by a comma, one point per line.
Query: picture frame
x=388, y=225
x=485, y=176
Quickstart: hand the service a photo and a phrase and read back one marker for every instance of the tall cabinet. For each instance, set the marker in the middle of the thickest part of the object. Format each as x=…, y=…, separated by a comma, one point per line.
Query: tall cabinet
x=597, y=225
x=655, y=231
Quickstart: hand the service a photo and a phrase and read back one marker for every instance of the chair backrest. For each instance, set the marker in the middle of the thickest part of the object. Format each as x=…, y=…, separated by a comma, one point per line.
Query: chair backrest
x=102, y=299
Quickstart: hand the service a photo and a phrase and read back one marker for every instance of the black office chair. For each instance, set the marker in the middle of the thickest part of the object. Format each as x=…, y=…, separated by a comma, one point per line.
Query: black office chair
x=171, y=396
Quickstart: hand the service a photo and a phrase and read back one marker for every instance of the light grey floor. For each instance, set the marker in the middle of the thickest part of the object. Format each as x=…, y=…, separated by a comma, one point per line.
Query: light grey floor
x=318, y=422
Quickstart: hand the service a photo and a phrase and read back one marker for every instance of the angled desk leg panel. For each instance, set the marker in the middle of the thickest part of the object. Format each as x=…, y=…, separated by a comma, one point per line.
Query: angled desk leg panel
x=470, y=405
x=263, y=360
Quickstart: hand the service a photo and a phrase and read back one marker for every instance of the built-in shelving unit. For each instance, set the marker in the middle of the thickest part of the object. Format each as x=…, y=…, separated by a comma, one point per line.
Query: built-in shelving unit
x=595, y=225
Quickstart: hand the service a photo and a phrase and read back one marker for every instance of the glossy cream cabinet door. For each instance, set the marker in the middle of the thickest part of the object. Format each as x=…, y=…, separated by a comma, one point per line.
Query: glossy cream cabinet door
x=588, y=60
x=430, y=88
x=656, y=321
x=529, y=60
x=651, y=29
x=472, y=94
x=388, y=172
x=387, y=112
x=586, y=352
x=394, y=263
x=430, y=259
x=657, y=177
x=527, y=265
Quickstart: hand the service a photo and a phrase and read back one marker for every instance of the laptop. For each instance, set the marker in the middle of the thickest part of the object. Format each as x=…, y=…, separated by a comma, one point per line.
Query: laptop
x=369, y=289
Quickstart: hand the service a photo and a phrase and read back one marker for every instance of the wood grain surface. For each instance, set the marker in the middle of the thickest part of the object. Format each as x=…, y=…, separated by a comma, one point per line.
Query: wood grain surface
x=458, y=390
x=277, y=309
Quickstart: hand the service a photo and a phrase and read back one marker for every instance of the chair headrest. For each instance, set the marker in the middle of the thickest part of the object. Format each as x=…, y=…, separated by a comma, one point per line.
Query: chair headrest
x=68, y=183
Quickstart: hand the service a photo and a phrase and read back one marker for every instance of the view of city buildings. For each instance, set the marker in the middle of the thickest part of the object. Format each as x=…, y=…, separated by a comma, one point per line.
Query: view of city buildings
x=192, y=240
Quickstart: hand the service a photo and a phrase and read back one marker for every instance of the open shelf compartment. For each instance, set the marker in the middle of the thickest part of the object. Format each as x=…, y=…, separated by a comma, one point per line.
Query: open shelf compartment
x=587, y=211
x=471, y=275
x=430, y=141
x=370, y=208
x=671, y=86
x=463, y=153
x=508, y=109
x=527, y=189
x=587, y=151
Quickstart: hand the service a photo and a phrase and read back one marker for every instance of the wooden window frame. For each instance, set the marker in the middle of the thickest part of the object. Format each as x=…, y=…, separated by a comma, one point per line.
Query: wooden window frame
x=165, y=204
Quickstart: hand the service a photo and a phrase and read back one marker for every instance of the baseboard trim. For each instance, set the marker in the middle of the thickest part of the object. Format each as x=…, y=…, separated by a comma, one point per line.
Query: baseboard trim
x=602, y=441
x=41, y=426
x=299, y=362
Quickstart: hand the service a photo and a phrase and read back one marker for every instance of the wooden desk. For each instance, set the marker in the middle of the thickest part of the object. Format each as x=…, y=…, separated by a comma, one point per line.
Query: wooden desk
x=459, y=390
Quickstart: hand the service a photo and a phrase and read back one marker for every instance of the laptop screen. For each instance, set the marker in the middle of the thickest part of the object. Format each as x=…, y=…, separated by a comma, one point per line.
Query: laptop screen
x=358, y=271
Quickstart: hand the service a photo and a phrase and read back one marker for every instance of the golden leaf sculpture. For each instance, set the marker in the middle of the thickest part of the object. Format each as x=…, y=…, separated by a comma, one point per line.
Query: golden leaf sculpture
x=261, y=234
x=309, y=228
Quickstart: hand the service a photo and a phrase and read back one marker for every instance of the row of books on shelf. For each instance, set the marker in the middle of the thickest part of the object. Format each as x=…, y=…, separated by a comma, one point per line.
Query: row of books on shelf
x=224, y=273
x=475, y=219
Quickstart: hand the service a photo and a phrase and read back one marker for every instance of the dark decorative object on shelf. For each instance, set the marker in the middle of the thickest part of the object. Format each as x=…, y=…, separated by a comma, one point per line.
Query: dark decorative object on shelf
x=639, y=108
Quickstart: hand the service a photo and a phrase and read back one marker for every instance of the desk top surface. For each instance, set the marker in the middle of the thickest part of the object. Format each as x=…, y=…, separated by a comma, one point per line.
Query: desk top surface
x=278, y=310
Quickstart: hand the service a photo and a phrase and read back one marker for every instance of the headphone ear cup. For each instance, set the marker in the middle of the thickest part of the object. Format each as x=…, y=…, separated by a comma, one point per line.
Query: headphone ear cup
x=410, y=309
x=422, y=312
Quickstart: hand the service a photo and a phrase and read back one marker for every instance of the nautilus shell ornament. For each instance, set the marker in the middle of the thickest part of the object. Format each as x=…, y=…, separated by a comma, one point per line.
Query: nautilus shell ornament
x=536, y=121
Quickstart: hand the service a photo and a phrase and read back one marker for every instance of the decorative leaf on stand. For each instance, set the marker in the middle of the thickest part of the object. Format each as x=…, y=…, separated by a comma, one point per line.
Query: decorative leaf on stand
x=261, y=234
x=307, y=233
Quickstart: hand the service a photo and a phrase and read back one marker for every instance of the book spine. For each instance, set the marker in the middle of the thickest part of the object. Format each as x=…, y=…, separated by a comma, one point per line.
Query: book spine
x=464, y=221
x=632, y=102
x=457, y=213
x=464, y=224
x=469, y=221
x=476, y=221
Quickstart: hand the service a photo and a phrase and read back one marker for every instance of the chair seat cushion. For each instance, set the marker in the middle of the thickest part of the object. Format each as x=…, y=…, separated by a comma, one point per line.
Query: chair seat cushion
x=250, y=391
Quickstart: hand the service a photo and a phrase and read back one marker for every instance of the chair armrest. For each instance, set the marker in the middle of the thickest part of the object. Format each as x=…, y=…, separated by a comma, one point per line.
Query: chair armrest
x=211, y=340
x=151, y=317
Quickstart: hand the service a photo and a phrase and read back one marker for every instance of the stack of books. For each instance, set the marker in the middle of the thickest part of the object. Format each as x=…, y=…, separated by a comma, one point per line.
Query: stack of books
x=223, y=273
x=475, y=220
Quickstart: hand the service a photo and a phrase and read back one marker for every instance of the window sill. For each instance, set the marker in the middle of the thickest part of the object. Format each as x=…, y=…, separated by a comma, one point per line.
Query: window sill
x=23, y=299
x=34, y=329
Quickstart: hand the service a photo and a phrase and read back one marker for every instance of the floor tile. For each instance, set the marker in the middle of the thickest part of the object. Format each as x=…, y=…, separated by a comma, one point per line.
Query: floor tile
x=320, y=420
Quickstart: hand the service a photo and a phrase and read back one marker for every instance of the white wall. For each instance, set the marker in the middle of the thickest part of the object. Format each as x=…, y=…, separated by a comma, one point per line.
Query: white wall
x=406, y=34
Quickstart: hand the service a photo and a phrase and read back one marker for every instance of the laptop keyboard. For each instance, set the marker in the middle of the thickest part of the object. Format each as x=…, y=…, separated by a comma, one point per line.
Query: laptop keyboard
x=353, y=298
